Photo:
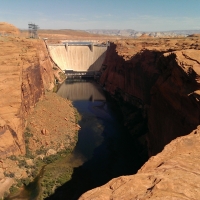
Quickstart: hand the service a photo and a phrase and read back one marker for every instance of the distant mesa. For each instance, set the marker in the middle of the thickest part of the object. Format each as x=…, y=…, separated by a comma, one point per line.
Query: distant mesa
x=194, y=35
x=136, y=34
x=6, y=28
x=144, y=35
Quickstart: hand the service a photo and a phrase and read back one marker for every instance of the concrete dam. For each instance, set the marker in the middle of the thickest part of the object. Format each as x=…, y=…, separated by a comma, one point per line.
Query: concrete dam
x=78, y=56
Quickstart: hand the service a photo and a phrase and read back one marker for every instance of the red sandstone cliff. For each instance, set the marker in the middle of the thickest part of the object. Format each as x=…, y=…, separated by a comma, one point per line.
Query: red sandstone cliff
x=172, y=174
x=164, y=79
x=6, y=28
x=25, y=73
x=164, y=76
x=174, y=109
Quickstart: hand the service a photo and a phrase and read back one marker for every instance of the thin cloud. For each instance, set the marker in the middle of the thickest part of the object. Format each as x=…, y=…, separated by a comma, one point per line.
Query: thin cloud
x=83, y=19
x=70, y=14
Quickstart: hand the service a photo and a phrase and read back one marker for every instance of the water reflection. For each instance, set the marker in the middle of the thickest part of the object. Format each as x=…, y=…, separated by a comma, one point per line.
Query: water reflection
x=89, y=99
x=81, y=90
x=98, y=140
x=103, y=150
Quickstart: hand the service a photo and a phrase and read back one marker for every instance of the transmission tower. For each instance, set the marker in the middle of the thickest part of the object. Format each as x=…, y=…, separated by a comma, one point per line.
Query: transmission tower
x=33, y=30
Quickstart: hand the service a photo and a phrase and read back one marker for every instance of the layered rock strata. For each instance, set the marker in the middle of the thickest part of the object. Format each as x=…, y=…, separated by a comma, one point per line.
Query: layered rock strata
x=172, y=174
x=163, y=76
x=8, y=29
x=25, y=73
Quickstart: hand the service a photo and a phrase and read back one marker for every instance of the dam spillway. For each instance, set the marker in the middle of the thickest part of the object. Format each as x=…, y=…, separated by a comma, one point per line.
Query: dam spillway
x=78, y=56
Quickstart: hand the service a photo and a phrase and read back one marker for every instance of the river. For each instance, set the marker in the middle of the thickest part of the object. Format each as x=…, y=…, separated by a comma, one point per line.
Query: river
x=99, y=130
x=104, y=149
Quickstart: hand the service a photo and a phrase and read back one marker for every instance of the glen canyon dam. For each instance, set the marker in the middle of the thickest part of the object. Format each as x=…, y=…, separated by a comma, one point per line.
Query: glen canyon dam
x=79, y=56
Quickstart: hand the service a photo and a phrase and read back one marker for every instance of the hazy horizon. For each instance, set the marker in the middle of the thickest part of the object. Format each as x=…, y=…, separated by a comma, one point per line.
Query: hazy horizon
x=145, y=16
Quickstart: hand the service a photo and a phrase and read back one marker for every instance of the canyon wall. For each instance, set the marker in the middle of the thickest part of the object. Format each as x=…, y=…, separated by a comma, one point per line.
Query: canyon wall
x=163, y=76
x=33, y=124
x=25, y=73
x=172, y=174
x=8, y=29
x=165, y=80
x=78, y=58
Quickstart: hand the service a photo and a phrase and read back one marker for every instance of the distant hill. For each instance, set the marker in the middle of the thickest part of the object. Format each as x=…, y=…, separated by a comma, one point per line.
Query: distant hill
x=133, y=33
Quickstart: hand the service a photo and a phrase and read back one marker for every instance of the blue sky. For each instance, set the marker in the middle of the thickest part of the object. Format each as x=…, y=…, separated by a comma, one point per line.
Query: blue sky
x=140, y=15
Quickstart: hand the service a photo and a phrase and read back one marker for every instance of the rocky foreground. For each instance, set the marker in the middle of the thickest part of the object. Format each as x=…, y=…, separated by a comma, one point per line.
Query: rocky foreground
x=160, y=77
x=171, y=174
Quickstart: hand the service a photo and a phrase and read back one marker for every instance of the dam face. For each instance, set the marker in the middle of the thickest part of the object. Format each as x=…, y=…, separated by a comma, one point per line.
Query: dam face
x=78, y=56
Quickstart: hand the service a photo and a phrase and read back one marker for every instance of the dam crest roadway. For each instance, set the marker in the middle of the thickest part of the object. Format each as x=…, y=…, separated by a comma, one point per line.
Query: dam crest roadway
x=79, y=57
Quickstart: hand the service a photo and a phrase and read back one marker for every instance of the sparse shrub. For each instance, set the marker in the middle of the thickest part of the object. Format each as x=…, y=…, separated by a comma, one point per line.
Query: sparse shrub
x=50, y=159
x=25, y=181
x=19, y=183
x=13, y=157
x=40, y=151
x=28, y=129
x=55, y=68
x=29, y=153
x=6, y=194
x=34, y=173
x=55, y=89
x=28, y=134
x=13, y=189
x=62, y=75
x=22, y=163
x=11, y=174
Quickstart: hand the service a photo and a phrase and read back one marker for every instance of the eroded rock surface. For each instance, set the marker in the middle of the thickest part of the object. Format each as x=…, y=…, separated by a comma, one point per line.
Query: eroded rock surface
x=174, y=109
x=25, y=73
x=6, y=28
x=53, y=128
x=163, y=76
x=172, y=174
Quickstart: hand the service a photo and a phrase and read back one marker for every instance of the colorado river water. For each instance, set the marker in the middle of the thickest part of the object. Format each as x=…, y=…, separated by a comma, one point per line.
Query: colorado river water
x=104, y=150
x=103, y=146
x=99, y=131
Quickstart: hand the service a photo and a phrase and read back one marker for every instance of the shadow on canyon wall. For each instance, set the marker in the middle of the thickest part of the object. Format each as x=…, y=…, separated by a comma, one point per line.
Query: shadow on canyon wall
x=164, y=88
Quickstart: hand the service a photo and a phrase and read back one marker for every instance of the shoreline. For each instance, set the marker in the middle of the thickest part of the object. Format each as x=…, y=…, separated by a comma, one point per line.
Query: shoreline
x=37, y=135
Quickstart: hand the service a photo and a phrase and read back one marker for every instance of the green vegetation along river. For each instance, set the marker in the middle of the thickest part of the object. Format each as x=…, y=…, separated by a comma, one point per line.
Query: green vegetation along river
x=104, y=149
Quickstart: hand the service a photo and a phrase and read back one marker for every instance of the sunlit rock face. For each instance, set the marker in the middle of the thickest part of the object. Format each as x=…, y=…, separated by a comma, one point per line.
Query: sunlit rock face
x=25, y=73
x=6, y=28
